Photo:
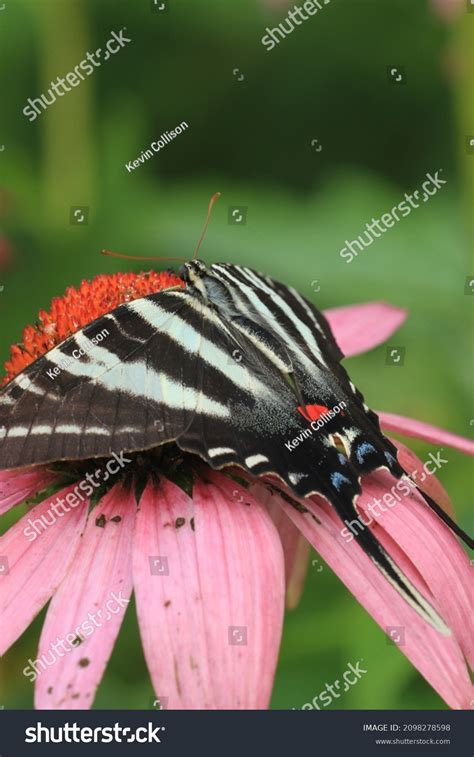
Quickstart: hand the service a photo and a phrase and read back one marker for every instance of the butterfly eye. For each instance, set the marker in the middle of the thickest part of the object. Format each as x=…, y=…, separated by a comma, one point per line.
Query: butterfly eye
x=183, y=272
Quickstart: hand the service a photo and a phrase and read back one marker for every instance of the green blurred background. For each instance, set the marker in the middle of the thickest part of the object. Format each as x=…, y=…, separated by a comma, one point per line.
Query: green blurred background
x=252, y=138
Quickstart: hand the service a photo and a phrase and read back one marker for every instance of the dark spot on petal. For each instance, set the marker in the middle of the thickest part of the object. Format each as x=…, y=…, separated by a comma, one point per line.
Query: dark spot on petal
x=100, y=521
x=193, y=663
x=50, y=689
x=179, y=522
x=76, y=641
x=176, y=676
x=166, y=525
x=192, y=524
x=116, y=519
x=75, y=696
x=168, y=602
x=84, y=662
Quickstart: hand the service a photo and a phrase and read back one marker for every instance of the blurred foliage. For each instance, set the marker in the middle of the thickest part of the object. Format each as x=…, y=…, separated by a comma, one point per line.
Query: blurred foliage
x=251, y=140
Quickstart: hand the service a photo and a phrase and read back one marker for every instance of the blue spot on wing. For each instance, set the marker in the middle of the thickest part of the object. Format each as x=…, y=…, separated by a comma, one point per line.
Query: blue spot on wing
x=338, y=480
x=364, y=449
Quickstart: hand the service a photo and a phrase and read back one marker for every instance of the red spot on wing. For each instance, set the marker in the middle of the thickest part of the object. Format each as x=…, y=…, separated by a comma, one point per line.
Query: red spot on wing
x=313, y=412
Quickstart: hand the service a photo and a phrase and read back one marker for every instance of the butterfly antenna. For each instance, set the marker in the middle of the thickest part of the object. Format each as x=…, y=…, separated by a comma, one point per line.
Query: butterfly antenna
x=112, y=254
x=468, y=540
x=399, y=471
x=212, y=202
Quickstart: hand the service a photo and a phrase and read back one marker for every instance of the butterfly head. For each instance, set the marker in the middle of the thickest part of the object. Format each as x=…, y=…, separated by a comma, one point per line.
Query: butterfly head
x=192, y=272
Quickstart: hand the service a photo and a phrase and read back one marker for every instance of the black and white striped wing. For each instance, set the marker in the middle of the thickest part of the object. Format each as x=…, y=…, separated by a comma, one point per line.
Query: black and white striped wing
x=168, y=369
x=317, y=465
x=306, y=335
x=135, y=390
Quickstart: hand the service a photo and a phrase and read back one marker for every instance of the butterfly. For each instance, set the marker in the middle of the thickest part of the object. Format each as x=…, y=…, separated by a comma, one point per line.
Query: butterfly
x=232, y=367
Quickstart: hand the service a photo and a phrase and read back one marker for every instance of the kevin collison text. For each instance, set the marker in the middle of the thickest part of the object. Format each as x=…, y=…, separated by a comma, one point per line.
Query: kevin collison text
x=315, y=426
x=164, y=140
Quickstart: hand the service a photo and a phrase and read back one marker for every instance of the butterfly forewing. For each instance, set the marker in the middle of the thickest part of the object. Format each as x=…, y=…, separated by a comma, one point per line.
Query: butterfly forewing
x=134, y=391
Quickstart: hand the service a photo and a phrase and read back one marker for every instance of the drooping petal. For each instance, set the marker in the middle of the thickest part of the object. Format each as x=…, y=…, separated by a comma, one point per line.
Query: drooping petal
x=434, y=551
x=37, y=552
x=438, y=658
x=16, y=486
x=298, y=563
x=296, y=548
x=448, y=10
x=359, y=328
x=209, y=583
x=399, y=424
x=428, y=482
x=88, y=608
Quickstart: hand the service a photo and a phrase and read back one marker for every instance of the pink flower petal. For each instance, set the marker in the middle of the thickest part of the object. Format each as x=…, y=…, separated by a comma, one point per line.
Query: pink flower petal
x=18, y=485
x=358, y=328
x=438, y=658
x=433, y=550
x=428, y=483
x=399, y=424
x=36, y=566
x=89, y=604
x=448, y=10
x=209, y=583
x=297, y=575
x=296, y=548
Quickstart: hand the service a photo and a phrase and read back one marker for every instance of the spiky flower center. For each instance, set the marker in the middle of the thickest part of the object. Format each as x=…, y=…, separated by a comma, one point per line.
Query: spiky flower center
x=138, y=468
x=67, y=314
x=79, y=307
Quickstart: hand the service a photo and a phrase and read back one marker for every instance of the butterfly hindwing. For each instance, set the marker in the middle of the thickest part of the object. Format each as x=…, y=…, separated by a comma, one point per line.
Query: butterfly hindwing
x=316, y=357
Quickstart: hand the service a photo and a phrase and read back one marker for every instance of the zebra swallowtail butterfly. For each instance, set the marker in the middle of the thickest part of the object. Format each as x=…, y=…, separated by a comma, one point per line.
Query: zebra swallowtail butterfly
x=225, y=366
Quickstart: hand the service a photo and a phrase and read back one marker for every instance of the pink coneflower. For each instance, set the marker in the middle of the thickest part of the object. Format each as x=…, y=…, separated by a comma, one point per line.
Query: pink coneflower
x=210, y=559
x=448, y=10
